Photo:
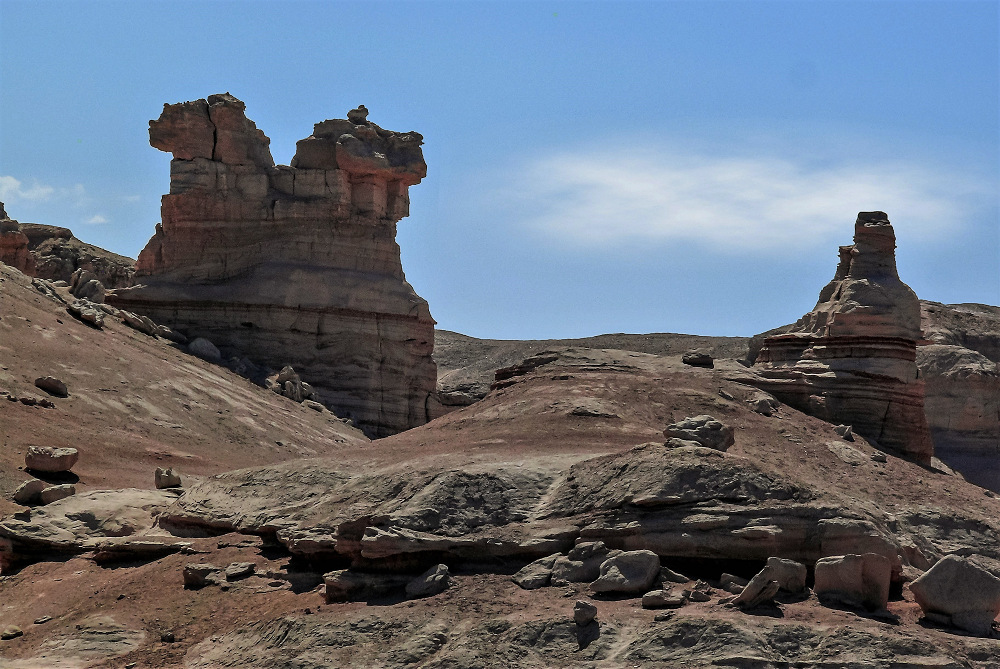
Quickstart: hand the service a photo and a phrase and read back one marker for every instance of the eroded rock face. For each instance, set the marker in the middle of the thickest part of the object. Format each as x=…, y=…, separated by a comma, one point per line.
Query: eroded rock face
x=852, y=358
x=293, y=265
x=14, y=245
x=962, y=377
x=58, y=254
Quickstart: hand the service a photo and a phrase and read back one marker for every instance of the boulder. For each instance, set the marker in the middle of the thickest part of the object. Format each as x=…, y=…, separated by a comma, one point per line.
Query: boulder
x=56, y=492
x=204, y=349
x=432, y=582
x=10, y=632
x=790, y=575
x=958, y=587
x=845, y=431
x=764, y=404
x=87, y=312
x=85, y=285
x=664, y=599
x=240, y=570
x=703, y=430
x=581, y=565
x=200, y=575
x=166, y=478
x=584, y=612
x=289, y=384
x=50, y=460
x=759, y=590
x=30, y=492
x=860, y=581
x=701, y=592
x=537, y=574
x=630, y=571
x=52, y=386
x=698, y=359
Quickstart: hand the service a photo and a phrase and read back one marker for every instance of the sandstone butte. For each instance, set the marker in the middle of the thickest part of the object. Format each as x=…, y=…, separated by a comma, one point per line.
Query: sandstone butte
x=852, y=359
x=293, y=264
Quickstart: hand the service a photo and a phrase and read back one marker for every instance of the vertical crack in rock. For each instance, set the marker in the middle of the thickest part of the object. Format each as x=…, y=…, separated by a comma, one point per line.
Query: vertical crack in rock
x=852, y=359
x=306, y=252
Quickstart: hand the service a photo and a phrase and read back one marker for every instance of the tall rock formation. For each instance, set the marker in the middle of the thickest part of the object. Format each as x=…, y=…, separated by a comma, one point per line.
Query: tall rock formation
x=852, y=359
x=14, y=245
x=293, y=264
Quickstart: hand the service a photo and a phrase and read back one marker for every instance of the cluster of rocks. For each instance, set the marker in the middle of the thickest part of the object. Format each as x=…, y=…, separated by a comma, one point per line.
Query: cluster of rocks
x=53, y=253
x=700, y=431
x=204, y=574
x=293, y=264
x=28, y=399
x=46, y=460
x=58, y=254
x=345, y=585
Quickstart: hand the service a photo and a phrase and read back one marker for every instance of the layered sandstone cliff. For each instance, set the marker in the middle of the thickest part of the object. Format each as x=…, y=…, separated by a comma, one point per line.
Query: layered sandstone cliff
x=852, y=359
x=14, y=245
x=293, y=264
x=959, y=366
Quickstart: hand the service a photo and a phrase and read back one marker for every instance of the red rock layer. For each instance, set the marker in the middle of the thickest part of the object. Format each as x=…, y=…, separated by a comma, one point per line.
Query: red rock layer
x=852, y=359
x=14, y=245
x=293, y=264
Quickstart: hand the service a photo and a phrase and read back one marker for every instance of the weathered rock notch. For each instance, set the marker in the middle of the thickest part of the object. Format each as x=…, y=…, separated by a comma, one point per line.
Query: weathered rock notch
x=293, y=264
x=852, y=359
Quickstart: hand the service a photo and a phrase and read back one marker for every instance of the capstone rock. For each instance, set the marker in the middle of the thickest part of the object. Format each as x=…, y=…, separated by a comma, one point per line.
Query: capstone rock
x=293, y=264
x=852, y=359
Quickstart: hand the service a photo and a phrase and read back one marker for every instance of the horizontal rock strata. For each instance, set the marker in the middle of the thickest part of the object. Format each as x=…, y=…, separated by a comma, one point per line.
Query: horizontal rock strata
x=14, y=245
x=293, y=264
x=852, y=359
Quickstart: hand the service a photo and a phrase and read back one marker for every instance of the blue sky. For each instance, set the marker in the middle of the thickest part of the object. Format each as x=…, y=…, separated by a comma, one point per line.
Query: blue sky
x=592, y=167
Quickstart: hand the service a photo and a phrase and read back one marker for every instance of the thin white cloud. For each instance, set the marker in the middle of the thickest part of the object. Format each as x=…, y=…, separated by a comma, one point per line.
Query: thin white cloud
x=96, y=219
x=14, y=190
x=600, y=198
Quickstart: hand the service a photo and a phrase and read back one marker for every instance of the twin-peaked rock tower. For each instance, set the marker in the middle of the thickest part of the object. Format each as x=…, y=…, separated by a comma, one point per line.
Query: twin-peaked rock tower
x=852, y=359
x=293, y=264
